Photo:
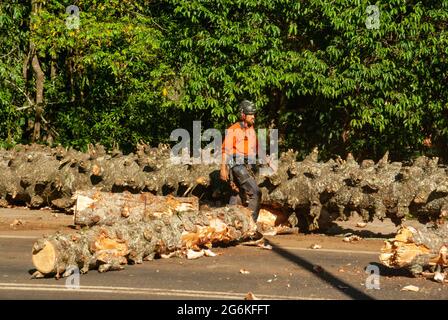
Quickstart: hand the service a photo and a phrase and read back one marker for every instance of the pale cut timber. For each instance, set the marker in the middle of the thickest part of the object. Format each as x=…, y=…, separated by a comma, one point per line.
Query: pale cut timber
x=273, y=221
x=417, y=249
x=109, y=247
x=105, y=208
x=44, y=258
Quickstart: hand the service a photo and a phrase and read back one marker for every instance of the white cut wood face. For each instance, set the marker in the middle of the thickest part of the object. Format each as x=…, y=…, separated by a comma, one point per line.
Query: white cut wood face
x=267, y=218
x=83, y=202
x=45, y=259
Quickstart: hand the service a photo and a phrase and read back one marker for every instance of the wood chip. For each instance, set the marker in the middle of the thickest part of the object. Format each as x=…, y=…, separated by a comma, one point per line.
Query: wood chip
x=361, y=224
x=191, y=254
x=316, y=246
x=352, y=238
x=168, y=255
x=244, y=271
x=253, y=243
x=269, y=233
x=16, y=222
x=264, y=246
x=411, y=288
x=251, y=296
x=209, y=253
x=439, y=277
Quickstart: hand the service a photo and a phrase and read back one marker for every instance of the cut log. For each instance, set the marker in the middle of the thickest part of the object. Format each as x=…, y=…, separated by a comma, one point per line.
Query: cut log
x=105, y=208
x=45, y=257
x=111, y=247
x=417, y=249
x=316, y=192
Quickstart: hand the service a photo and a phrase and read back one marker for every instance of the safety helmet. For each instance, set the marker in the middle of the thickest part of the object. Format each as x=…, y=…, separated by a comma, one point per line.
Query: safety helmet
x=247, y=107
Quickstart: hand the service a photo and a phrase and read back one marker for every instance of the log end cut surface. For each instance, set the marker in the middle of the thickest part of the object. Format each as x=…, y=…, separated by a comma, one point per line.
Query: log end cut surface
x=44, y=257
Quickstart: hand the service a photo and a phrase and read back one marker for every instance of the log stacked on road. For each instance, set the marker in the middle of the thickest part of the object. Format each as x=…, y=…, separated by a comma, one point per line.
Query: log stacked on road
x=104, y=208
x=155, y=233
x=418, y=250
x=315, y=192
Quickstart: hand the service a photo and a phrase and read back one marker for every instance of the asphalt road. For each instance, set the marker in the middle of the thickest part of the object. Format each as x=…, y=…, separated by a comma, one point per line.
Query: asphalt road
x=291, y=270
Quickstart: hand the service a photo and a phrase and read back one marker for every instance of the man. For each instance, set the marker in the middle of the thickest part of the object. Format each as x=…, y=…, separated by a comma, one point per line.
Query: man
x=239, y=152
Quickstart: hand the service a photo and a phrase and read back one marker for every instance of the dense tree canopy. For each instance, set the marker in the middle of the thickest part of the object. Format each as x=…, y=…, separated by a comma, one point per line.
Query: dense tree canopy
x=135, y=70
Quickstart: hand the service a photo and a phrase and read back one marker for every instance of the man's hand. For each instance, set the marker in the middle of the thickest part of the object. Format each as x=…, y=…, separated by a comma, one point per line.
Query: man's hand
x=427, y=142
x=234, y=187
x=224, y=174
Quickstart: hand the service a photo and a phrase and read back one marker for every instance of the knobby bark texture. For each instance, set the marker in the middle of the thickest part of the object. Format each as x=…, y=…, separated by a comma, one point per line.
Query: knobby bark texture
x=175, y=230
x=104, y=208
x=311, y=193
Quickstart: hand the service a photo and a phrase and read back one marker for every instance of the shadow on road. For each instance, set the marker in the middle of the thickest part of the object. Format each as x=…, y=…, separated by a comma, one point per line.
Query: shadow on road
x=338, y=230
x=321, y=273
x=390, y=272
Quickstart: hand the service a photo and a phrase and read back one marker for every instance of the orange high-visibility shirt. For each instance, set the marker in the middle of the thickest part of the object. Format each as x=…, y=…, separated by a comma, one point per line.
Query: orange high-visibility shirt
x=240, y=140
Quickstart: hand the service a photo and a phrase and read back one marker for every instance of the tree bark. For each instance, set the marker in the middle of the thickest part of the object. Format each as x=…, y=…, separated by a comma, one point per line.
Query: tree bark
x=417, y=249
x=105, y=208
x=40, y=79
x=53, y=70
x=110, y=247
x=316, y=193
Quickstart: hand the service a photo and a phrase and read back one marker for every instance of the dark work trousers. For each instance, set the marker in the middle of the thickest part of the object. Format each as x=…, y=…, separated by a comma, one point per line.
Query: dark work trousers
x=248, y=186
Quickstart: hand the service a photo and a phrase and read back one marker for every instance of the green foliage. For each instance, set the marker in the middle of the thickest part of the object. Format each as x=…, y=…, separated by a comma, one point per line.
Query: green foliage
x=318, y=72
x=137, y=69
x=13, y=36
x=115, y=74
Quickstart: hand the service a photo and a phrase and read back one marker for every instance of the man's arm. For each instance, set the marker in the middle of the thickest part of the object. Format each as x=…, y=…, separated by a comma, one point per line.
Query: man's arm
x=225, y=150
x=224, y=173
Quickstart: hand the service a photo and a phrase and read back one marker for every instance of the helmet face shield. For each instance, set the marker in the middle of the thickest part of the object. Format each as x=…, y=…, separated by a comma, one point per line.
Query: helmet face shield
x=247, y=107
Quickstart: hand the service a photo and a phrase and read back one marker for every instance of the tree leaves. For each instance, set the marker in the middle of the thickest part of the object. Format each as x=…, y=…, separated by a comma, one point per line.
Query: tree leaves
x=136, y=69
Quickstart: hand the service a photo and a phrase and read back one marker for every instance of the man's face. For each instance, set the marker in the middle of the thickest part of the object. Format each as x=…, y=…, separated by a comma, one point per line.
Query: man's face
x=250, y=119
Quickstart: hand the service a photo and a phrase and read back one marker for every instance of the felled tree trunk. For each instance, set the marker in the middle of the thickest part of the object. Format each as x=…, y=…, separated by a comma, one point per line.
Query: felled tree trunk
x=111, y=247
x=105, y=208
x=417, y=249
x=317, y=193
